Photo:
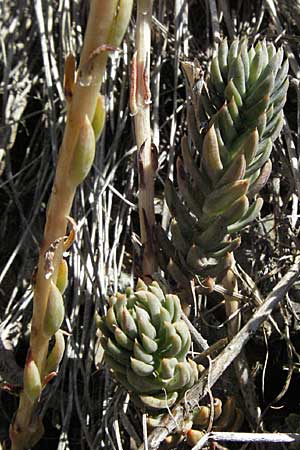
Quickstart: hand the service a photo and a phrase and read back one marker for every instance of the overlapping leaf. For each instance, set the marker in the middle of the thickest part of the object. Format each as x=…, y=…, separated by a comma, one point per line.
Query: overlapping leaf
x=222, y=170
x=146, y=344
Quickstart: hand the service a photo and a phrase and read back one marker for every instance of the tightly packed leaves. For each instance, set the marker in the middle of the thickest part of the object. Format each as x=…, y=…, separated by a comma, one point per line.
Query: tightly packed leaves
x=146, y=345
x=241, y=102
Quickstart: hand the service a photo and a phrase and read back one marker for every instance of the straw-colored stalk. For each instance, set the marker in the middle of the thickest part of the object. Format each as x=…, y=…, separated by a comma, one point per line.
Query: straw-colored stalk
x=106, y=26
x=140, y=100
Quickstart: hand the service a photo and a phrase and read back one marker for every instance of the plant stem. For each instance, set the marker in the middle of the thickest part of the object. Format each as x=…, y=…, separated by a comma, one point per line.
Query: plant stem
x=27, y=429
x=140, y=108
x=241, y=367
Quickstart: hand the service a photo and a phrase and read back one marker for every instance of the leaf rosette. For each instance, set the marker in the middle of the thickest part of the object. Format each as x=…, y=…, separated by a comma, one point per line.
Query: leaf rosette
x=146, y=344
x=223, y=168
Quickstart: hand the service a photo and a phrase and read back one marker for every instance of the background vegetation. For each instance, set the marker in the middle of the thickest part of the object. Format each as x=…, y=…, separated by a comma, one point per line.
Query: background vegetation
x=82, y=407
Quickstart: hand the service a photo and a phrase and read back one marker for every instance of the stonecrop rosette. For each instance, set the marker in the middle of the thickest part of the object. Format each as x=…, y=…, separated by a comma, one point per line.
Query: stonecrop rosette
x=146, y=344
x=233, y=119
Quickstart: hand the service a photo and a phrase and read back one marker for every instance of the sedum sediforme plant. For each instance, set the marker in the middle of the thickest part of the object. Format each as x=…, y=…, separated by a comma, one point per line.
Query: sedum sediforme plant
x=106, y=26
x=233, y=119
x=146, y=345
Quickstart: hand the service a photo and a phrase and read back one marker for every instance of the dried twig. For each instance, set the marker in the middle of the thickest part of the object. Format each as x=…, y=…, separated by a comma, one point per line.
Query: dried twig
x=220, y=364
x=259, y=438
x=140, y=100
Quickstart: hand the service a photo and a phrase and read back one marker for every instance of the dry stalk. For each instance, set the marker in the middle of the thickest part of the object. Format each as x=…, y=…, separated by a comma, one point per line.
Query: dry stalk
x=170, y=422
x=259, y=438
x=140, y=99
x=106, y=25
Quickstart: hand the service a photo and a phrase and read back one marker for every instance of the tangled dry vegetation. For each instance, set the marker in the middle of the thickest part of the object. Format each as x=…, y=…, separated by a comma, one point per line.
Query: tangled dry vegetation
x=83, y=407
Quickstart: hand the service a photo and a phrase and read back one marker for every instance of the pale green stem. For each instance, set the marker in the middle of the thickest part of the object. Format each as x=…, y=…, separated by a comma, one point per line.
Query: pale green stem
x=99, y=32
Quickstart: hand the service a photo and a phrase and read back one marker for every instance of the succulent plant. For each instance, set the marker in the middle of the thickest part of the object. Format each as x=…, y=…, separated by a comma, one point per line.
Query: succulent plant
x=146, y=344
x=241, y=103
